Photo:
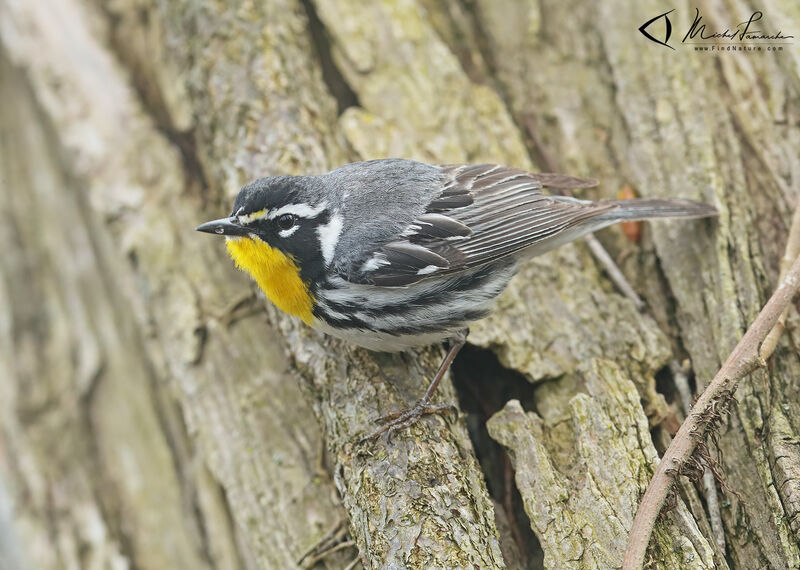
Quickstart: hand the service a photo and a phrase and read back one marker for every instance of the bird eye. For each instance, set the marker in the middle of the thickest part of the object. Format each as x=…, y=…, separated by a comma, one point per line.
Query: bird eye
x=286, y=221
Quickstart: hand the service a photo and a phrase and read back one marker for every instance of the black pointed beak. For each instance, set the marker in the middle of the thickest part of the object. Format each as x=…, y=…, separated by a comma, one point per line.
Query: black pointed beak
x=224, y=227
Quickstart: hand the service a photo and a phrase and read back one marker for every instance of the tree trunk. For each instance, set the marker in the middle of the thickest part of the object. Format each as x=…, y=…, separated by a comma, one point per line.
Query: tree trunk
x=158, y=413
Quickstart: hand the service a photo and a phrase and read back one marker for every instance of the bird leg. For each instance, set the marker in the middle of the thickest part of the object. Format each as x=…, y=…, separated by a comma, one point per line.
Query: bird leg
x=400, y=420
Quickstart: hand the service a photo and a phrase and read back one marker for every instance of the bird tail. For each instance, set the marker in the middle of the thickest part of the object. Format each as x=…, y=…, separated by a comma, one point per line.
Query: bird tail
x=615, y=211
x=643, y=209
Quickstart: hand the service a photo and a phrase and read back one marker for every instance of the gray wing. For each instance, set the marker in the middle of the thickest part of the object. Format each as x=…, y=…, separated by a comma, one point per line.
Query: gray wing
x=483, y=213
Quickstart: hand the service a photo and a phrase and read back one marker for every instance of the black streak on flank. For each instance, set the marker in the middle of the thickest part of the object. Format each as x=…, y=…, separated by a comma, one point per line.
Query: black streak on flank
x=333, y=78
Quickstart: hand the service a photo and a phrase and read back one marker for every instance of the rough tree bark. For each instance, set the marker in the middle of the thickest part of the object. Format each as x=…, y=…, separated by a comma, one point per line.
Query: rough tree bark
x=157, y=413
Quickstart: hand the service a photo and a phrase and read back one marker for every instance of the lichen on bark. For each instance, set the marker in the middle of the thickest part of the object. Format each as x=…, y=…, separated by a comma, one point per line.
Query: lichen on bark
x=152, y=420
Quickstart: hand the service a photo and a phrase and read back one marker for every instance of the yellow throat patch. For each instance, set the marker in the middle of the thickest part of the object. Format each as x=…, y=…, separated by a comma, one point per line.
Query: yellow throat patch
x=276, y=273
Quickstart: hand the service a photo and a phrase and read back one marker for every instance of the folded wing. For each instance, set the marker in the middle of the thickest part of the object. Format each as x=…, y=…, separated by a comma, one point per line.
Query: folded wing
x=483, y=213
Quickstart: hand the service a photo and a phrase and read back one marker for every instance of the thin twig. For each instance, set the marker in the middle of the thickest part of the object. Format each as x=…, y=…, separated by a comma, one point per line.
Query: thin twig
x=311, y=562
x=335, y=533
x=682, y=384
x=597, y=249
x=714, y=514
x=744, y=359
x=709, y=482
x=789, y=255
x=613, y=271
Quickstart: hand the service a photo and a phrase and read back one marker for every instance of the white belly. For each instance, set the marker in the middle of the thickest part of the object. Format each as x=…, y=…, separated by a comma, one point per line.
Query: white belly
x=382, y=341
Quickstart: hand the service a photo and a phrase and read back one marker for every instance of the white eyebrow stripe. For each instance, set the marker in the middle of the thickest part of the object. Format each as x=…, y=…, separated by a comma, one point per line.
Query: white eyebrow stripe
x=329, y=236
x=299, y=210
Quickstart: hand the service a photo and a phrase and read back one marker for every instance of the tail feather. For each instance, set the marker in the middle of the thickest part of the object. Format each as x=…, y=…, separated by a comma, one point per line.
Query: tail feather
x=645, y=208
x=620, y=211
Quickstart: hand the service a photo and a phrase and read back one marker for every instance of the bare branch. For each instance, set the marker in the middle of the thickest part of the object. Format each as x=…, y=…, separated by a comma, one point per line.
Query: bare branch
x=709, y=484
x=744, y=359
x=789, y=255
x=613, y=271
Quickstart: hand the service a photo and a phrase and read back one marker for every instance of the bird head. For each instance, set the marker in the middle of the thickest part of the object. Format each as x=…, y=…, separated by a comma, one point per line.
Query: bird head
x=277, y=233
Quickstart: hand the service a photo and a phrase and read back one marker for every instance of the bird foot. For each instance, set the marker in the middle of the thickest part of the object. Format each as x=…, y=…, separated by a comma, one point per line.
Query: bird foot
x=394, y=422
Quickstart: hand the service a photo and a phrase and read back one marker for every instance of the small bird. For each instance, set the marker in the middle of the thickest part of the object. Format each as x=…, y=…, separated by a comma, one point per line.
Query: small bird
x=393, y=254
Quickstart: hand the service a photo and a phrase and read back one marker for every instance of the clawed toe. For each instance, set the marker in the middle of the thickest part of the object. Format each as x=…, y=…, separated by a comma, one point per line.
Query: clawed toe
x=388, y=418
x=397, y=421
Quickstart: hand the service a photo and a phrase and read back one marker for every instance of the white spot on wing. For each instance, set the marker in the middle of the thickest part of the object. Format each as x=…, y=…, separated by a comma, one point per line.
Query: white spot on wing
x=374, y=262
x=428, y=269
x=411, y=230
x=329, y=236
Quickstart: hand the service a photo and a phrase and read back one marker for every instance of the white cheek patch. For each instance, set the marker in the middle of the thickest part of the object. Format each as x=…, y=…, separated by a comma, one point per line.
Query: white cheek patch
x=329, y=236
x=299, y=210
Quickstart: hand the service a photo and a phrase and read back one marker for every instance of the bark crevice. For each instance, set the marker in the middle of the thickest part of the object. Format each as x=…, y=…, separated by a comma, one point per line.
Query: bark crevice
x=155, y=113
x=333, y=78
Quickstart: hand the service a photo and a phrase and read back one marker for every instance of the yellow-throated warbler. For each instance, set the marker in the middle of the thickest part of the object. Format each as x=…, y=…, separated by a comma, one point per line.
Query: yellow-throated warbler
x=392, y=254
